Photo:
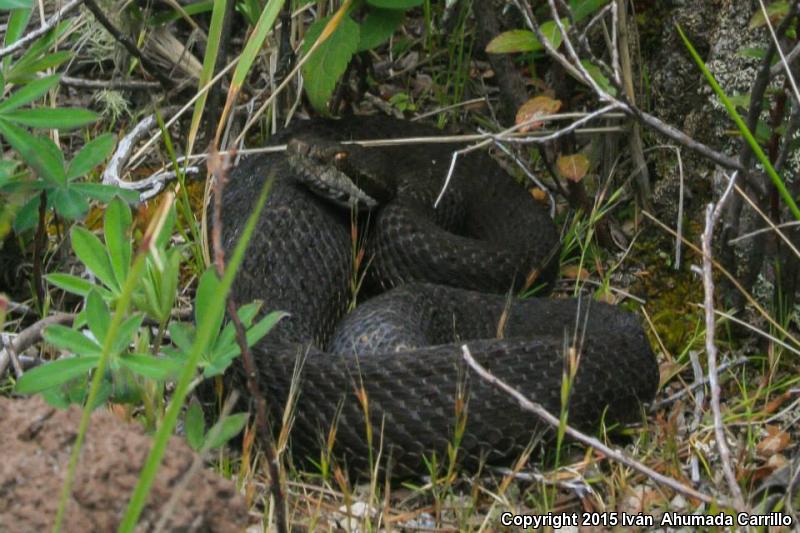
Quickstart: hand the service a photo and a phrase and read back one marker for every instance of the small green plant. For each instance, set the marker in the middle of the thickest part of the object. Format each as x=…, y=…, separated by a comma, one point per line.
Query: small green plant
x=133, y=364
x=220, y=433
x=330, y=60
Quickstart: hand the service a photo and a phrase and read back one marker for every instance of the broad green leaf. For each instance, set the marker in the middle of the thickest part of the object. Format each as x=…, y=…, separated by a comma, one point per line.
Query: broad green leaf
x=378, y=26
x=98, y=316
x=126, y=332
x=105, y=193
x=324, y=68
x=15, y=4
x=513, y=41
x=92, y=154
x=248, y=312
x=158, y=368
x=264, y=326
x=116, y=226
x=598, y=76
x=395, y=4
x=69, y=203
x=181, y=335
x=195, y=426
x=62, y=118
x=583, y=8
x=93, y=254
x=72, y=284
x=71, y=340
x=28, y=215
x=27, y=68
x=207, y=293
x=526, y=41
x=28, y=93
x=35, y=152
x=55, y=373
x=225, y=429
x=17, y=22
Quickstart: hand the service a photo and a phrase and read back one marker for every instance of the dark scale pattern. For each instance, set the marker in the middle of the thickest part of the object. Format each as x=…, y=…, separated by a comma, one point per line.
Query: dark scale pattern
x=487, y=236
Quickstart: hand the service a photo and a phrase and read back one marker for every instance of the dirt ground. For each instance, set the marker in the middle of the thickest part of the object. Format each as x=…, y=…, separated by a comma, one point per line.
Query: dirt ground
x=36, y=441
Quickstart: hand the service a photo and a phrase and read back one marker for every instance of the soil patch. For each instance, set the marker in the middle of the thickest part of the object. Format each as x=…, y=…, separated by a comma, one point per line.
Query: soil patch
x=37, y=439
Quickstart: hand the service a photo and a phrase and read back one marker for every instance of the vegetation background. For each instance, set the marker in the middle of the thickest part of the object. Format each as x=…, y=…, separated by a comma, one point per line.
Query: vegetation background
x=662, y=134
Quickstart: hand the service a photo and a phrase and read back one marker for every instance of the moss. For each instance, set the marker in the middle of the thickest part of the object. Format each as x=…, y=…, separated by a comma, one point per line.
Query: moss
x=670, y=294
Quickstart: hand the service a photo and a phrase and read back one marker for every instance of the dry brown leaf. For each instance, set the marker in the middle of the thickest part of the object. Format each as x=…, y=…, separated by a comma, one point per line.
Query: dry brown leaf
x=538, y=194
x=572, y=272
x=537, y=106
x=573, y=167
x=775, y=441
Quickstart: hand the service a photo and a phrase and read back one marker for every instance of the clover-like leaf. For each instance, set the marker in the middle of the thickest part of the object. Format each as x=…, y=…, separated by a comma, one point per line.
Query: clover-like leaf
x=92, y=154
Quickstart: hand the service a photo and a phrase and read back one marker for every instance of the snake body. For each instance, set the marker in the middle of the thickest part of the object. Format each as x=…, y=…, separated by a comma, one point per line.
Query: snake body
x=390, y=377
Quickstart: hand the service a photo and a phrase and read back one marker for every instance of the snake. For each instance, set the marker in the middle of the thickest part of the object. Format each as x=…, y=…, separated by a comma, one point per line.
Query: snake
x=387, y=280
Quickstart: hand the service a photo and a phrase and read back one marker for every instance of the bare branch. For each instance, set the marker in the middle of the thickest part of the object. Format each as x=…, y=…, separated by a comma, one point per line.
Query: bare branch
x=51, y=23
x=712, y=215
x=552, y=420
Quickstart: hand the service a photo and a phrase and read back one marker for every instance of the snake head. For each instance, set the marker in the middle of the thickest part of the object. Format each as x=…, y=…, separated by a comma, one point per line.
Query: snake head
x=322, y=166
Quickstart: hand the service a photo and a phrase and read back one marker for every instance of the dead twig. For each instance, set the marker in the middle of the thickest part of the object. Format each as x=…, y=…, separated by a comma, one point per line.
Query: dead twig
x=712, y=215
x=28, y=337
x=609, y=452
x=129, y=45
x=51, y=23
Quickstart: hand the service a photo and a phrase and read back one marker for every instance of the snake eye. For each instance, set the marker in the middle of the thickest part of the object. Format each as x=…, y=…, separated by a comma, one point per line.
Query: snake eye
x=340, y=159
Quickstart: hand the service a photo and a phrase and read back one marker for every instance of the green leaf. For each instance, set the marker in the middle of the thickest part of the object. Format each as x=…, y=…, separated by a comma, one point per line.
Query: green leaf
x=181, y=335
x=225, y=429
x=28, y=93
x=116, y=225
x=62, y=118
x=105, y=193
x=93, y=254
x=395, y=4
x=71, y=340
x=324, y=68
x=72, y=284
x=513, y=41
x=583, y=8
x=378, y=26
x=126, y=332
x=98, y=316
x=91, y=155
x=598, y=76
x=15, y=4
x=29, y=66
x=526, y=41
x=158, y=368
x=36, y=152
x=17, y=22
x=28, y=215
x=207, y=293
x=69, y=203
x=54, y=373
x=195, y=426
x=257, y=332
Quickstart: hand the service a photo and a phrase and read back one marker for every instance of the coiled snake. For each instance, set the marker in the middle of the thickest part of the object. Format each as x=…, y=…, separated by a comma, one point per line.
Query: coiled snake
x=452, y=268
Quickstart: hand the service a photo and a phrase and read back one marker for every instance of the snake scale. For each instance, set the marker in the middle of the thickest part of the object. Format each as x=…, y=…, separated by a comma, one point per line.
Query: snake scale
x=438, y=278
